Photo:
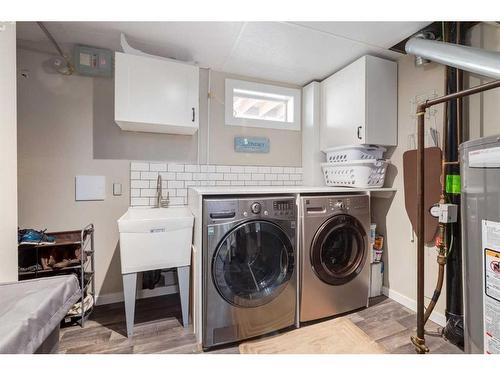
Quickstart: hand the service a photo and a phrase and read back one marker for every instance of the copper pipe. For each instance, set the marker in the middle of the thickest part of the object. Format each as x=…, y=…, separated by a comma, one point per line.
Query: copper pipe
x=419, y=339
x=460, y=94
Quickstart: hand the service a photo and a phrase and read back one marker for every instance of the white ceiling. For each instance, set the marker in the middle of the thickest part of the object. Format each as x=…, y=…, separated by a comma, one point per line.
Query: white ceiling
x=295, y=53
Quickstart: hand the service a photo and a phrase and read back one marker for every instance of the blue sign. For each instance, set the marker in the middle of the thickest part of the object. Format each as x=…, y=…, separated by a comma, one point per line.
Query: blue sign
x=251, y=144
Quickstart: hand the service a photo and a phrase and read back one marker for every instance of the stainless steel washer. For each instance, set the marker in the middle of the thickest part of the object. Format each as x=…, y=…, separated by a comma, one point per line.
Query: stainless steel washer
x=335, y=274
x=249, y=267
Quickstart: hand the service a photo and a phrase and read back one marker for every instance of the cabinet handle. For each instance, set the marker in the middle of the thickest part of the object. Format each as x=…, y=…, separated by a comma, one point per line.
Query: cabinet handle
x=359, y=135
x=193, y=114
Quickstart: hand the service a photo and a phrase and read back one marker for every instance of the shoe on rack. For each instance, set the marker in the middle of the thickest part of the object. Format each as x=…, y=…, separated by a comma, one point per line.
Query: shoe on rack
x=20, y=234
x=76, y=309
x=36, y=237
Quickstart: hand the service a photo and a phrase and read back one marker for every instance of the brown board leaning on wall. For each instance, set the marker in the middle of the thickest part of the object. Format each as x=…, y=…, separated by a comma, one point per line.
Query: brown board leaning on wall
x=432, y=189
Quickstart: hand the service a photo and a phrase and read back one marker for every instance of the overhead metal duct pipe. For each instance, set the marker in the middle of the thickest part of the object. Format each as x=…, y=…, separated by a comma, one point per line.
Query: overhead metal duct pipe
x=474, y=60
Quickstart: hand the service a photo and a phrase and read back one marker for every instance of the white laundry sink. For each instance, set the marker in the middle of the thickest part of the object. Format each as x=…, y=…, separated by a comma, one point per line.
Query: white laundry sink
x=155, y=238
x=151, y=239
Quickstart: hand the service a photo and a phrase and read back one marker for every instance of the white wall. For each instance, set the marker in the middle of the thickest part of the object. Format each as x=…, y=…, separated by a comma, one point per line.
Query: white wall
x=55, y=122
x=285, y=145
x=484, y=108
x=110, y=142
x=8, y=153
x=213, y=143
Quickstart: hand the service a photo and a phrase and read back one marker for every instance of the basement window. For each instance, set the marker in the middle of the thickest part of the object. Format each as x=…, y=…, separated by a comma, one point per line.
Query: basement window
x=259, y=105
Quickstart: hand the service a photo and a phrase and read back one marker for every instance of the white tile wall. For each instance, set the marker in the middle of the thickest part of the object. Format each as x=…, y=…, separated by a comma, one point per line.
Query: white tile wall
x=177, y=178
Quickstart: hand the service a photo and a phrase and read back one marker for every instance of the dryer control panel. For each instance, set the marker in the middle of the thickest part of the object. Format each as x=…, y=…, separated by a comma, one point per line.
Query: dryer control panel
x=347, y=203
x=335, y=204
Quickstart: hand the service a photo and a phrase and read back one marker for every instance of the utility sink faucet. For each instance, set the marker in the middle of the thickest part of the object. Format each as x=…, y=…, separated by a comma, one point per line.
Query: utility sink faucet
x=161, y=202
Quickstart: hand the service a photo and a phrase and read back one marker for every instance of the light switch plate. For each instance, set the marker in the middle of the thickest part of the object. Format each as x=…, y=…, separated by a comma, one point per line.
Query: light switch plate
x=90, y=188
x=117, y=189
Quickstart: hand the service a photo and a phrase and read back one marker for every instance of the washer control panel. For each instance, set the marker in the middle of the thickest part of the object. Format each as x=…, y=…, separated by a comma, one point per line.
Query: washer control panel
x=284, y=207
x=278, y=208
x=256, y=207
x=230, y=209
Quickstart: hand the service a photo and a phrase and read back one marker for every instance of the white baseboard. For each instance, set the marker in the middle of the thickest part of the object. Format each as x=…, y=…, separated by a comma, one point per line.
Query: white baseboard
x=106, y=299
x=436, y=317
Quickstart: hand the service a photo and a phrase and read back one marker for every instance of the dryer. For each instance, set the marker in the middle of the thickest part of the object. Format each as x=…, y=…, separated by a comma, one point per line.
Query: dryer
x=249, y=267
x=335, y=274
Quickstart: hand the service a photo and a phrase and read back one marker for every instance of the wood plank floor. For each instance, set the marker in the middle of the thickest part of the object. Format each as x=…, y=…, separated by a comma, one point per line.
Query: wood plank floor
x=158, y=329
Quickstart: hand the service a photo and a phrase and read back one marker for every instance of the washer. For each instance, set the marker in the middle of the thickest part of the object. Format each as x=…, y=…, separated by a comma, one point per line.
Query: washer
x=335, y=274
x=249, y=267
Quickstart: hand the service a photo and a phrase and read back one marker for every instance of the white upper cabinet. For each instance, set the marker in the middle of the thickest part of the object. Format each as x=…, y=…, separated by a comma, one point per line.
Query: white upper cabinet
x=156, y=95
x=359, y=104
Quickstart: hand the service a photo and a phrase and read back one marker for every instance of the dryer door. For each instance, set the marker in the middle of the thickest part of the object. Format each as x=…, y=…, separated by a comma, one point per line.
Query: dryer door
x=253, y=263
x=339, y=250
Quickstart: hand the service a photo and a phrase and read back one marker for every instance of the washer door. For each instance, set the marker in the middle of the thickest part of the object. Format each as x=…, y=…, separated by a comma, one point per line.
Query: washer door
x=253, y=263
x=339, y=250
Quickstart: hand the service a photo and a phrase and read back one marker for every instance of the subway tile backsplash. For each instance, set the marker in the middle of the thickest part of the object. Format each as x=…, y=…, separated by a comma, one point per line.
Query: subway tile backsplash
x=177, y=178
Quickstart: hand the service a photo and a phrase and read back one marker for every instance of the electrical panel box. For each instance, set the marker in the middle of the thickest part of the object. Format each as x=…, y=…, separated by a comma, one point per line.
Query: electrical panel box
x=91, y=61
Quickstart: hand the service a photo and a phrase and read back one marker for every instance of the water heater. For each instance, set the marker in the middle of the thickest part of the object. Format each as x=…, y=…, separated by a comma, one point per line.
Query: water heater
x=480, y=170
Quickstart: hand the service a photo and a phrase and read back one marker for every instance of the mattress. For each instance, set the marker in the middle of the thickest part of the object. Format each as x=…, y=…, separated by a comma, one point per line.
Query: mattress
x=31, y=309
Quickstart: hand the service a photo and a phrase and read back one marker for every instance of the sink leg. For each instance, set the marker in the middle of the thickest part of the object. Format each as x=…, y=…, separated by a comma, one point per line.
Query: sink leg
x=183, y=277
x=129, y=289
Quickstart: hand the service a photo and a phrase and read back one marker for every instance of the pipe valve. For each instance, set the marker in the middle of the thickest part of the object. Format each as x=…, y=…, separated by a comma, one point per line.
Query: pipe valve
x=445, y=212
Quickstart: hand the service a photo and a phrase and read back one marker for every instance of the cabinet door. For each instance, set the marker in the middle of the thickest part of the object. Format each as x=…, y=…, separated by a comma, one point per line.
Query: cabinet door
x=343, y=107
x=381, y=101
x=151, y=92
